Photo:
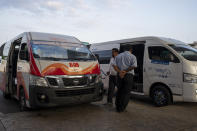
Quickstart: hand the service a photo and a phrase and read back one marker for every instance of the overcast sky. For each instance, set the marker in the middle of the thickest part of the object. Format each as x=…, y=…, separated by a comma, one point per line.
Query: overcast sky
x=100, y=20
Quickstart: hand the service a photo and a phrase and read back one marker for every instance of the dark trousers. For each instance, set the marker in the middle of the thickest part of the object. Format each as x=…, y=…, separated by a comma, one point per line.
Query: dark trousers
x=123, y=94
x=112, y=84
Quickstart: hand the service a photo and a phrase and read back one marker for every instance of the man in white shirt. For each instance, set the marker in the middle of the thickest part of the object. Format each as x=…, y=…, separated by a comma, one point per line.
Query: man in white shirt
x=112, y=77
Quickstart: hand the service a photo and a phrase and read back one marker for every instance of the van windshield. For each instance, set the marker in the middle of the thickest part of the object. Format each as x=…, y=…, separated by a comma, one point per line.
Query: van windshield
x=186, y=51
x=60, y=51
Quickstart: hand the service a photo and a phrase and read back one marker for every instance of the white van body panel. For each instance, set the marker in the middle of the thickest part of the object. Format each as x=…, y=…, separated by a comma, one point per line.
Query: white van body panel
x=188, y=88
x=169, y=74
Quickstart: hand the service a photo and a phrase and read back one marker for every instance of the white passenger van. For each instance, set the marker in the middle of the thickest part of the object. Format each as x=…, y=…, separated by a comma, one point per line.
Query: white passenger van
x=42, y=70
x=167, y=68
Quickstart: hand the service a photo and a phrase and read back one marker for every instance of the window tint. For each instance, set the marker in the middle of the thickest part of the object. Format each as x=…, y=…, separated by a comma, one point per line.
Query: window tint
x=104, y=56
x=23, y=50
x=1, y=50
x=161, y=54
x=24, y=47
x=126, y=46
x=6, y=49
x=186, y=51
x=60, y=51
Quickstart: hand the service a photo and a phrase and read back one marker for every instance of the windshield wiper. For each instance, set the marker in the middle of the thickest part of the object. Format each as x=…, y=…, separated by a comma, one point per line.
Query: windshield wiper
x=59, y=59
x=51, y=58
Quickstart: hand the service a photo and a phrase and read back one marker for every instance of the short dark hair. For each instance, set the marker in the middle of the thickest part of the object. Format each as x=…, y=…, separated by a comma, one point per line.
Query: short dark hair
x=130, y=48
x=115, y=49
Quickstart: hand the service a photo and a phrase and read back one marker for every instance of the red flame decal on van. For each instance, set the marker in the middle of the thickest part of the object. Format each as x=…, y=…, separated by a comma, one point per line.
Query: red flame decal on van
x=61, y=69
x=33, y=67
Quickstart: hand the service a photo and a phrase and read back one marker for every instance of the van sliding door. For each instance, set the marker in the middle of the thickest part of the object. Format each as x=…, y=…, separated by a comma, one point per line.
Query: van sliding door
x=138, y=51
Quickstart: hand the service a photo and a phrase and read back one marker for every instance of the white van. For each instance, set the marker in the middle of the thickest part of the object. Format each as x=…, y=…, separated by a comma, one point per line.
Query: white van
x=167, y=68
x=42, y=70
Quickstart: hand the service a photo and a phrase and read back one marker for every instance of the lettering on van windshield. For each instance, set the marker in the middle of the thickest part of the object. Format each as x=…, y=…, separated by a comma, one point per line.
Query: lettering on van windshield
x=74, y=64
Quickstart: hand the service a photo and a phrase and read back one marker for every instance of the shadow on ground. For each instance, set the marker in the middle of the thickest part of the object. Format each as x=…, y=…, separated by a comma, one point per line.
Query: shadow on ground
x=8, y=105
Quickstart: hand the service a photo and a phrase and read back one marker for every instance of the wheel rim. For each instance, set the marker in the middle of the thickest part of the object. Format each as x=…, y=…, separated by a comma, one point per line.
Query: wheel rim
x=160, y=97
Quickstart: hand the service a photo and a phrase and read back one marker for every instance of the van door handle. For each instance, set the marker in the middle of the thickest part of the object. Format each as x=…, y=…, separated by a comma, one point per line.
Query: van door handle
x=144, y=70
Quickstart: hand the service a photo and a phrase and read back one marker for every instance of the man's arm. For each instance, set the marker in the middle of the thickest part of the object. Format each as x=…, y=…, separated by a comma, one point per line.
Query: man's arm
x=130, y=68
x=116, y=68
x=133, y=66
x=110, y=66
x=115, y=65
x=121, y=73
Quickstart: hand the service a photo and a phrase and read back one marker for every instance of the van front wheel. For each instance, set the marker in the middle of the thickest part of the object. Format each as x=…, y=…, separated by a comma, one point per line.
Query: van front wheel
x=161, y=96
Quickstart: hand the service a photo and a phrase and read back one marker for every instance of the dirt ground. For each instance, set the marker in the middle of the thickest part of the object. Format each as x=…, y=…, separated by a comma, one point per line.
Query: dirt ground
x=141, y=115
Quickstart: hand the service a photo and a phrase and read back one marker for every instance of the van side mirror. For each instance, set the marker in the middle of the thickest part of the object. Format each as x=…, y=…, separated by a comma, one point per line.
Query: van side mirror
x=24, y=55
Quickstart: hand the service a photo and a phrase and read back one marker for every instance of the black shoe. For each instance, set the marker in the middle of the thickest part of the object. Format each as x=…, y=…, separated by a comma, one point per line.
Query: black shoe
x=108, y=104
x=118, y=110
x=121, y=110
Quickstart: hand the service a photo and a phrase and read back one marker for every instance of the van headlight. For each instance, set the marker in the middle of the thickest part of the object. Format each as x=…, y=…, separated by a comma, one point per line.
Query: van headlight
x=98, y=79
x=189, y=78
x=38, y=81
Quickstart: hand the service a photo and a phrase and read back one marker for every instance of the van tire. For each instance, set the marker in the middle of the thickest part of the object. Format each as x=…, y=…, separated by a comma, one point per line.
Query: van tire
x=161, y=96
x=6, y=96
x=22, y=100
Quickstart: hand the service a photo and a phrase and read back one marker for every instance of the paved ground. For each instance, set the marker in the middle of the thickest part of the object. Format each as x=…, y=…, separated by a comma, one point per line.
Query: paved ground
x=140, y=115
x=8, y=106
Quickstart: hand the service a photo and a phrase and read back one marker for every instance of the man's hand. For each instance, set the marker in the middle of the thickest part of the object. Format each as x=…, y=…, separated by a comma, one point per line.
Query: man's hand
x=122, y=74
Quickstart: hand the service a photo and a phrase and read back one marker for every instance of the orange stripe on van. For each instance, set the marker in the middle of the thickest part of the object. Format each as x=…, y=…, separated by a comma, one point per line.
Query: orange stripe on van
x=61, y=69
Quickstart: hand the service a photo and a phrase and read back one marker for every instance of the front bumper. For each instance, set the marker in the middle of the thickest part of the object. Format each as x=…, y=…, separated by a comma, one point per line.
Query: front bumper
x=64, y=96
x=189, y=92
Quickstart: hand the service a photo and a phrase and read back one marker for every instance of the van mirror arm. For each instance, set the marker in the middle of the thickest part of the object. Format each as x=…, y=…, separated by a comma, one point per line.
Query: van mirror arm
x=97, y=56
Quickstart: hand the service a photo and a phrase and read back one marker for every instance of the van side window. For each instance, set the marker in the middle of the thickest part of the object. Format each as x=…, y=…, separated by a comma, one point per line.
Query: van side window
x=6, y=49
x=1, y=49
x=104, y=56
x=161, y=54
x=1, y=52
